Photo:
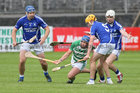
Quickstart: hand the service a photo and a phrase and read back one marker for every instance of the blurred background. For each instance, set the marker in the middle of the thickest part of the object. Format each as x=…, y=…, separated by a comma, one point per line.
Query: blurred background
x=66, y=19
x=71, y=13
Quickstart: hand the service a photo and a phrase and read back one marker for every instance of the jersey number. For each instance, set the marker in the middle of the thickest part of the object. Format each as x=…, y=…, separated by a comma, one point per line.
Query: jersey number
x=106, y=28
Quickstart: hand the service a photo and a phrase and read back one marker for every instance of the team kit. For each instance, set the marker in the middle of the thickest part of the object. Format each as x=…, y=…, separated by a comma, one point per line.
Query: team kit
x=105, y=54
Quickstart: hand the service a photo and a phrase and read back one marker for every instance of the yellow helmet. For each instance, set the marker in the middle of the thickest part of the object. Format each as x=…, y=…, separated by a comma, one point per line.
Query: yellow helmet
x=90, y=17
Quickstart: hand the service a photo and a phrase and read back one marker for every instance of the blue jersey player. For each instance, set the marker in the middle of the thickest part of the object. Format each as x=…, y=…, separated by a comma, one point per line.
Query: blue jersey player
x=116, y=31
x=101, y=32
x=31, y=24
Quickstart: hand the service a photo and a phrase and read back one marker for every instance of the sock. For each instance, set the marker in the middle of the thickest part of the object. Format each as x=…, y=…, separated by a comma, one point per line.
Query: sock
x=21, y=77
x=117, y=72
x=45, y=73
x=91, y=79
x=72, y=78
x=102, y=78
x=108, y=78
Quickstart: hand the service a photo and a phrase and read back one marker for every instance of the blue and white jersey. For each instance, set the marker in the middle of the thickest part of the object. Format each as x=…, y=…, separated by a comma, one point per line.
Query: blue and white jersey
x=101, y=32
x=116, y=35
x=31, y=27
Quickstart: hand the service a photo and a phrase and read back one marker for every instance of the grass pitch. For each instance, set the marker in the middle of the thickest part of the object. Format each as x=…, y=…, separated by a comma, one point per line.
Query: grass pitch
x=35, y=82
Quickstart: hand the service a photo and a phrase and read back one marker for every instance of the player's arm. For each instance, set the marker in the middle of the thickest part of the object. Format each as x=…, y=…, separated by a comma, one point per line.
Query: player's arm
x=14, y=36
x=92, y=38
x=124, y=33
x=90, y=46
x=65, y=56
x=88, y=33
x=15, y=29
x=47, y=31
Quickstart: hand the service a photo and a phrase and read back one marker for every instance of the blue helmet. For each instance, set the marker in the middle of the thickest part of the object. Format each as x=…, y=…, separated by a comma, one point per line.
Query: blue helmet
x=29, y=9
x=86, y=38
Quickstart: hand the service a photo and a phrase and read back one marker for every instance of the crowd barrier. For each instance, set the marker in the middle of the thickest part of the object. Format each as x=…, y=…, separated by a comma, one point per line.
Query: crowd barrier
x=65, y=34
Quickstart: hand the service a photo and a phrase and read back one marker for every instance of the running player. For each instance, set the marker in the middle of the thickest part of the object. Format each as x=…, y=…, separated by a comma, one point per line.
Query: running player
x=31, y=24
x=79, y=50
x=101, y=32
x=116, y=31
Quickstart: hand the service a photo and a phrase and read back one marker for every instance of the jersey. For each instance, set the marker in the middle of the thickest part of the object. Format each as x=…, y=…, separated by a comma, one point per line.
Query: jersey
x=78, y=51
x=101, y=32
x=31, y=27
x=116, y=35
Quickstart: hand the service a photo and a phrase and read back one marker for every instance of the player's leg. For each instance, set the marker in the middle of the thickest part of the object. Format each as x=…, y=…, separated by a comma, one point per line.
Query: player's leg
x=105, y=49
x=40, y=53
x=110, y=61
x=71, y=75
x=85, y=70
x=22, y=65
x=106, y=69
x=93, y=60
x=44, y=66
x=98, y=52
x=77, y=68
x=23, y=49
x=100, y=71
x=112, y=57
x=117, y=72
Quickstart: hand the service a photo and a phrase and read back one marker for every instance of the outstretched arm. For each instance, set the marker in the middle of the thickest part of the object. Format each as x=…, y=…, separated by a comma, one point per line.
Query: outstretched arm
x=66, y=55
x=90, y=45
x=124, y=33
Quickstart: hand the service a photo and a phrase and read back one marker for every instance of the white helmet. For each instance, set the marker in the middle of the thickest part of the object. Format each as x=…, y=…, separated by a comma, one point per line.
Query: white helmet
x=110, y=13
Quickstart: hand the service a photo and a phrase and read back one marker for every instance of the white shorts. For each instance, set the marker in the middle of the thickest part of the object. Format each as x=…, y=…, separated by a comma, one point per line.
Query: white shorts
x=116, y=52
x=32, y=47
x=105, y=48
x=79, y=65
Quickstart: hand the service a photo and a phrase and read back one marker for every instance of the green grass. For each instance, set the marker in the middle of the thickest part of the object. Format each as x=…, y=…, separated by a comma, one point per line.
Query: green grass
x=34, y=82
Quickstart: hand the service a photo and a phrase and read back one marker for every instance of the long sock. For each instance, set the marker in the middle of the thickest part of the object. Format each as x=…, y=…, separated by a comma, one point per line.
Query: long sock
x=45, y=73
x=72, y=78
x=102, y=78
x=91, y=79
x=117, y=72
x=108, y=78
x=21, y=77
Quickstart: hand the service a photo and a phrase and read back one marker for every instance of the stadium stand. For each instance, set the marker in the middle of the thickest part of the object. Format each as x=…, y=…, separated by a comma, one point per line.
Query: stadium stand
x=57, y=10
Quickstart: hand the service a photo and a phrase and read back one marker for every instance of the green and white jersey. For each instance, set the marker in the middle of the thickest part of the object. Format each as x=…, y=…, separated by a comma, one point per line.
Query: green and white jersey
x=78, y=52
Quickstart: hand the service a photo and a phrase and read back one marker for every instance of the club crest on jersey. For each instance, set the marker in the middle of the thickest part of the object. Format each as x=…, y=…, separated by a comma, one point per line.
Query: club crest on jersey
x=30, y=24
x=114, y=30
x=34, y=24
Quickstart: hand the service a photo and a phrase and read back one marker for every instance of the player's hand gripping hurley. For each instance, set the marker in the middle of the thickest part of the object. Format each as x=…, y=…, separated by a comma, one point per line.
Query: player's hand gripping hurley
x=30, y=55
x=28, y=41
x=58, y=68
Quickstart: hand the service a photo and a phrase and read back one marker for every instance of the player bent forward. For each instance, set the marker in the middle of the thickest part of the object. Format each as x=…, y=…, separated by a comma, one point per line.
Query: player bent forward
x=31, y=26
x=101, y=32
x=79, y=50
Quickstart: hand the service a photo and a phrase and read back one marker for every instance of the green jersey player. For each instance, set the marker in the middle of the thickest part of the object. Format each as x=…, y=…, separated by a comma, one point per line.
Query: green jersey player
x=78, y=50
